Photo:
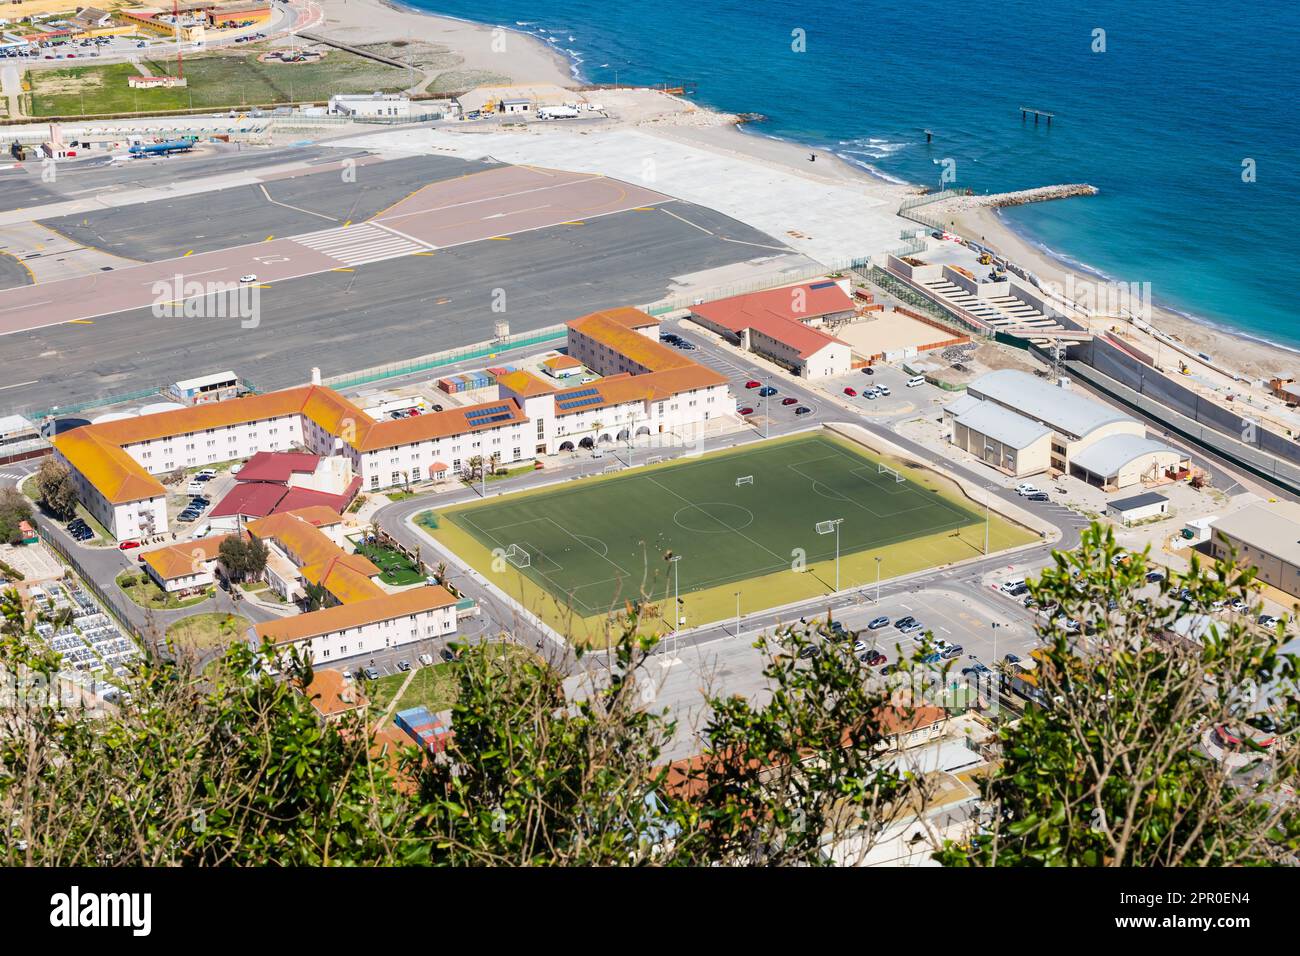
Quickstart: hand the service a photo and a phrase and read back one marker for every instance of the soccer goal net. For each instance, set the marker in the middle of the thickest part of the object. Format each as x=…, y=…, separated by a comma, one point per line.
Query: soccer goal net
x=518, y=556
x=744, y=480
x=883, y=469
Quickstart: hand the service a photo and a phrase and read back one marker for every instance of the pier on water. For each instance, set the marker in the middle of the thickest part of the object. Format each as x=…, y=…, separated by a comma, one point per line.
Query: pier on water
x=1026, y=110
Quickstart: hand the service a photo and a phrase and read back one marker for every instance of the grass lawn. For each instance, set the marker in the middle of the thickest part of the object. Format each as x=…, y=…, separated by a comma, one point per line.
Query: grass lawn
x=214, y=81
x=394, y=567
x=436, y=687
x=574, y=553
x=207, y=631
x=141, y=589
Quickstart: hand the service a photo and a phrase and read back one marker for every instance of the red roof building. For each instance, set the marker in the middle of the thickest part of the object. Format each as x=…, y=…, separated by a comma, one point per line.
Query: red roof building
x=277, y=466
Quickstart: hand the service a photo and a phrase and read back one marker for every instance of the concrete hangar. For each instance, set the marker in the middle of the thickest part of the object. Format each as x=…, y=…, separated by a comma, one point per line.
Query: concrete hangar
x=1023, y=425
x=1265, y=535
x=647, y=389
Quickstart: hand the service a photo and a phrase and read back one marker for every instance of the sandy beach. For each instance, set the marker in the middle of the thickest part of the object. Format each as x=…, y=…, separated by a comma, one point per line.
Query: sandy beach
x=472, y=54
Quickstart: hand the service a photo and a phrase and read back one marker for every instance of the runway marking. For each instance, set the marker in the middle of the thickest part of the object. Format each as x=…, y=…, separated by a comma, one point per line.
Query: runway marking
x=32, y=305
x=361, y=244
x=18, y=384
x=499, y=238
x=343, y=269
x=81, y=321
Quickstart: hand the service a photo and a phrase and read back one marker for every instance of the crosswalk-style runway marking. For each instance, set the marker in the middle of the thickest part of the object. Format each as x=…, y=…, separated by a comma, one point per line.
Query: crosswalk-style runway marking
x=360, y=244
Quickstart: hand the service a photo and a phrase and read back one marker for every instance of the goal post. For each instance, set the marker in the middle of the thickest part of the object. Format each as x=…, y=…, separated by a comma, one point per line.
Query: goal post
x=744, y=480
x=518, y=556
x=883, y=469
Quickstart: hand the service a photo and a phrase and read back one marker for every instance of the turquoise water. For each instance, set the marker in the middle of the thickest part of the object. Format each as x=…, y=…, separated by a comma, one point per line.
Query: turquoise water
x=1161, y=121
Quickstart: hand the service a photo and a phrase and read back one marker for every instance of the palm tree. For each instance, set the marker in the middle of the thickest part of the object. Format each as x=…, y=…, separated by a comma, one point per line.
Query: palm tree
x=475, y=466
x=494, y=463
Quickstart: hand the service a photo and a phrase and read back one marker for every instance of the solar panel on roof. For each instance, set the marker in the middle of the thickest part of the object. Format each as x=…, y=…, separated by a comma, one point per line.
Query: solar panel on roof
x=581, y=393
x=487, y=412
x=821, y=285
x=568, y=406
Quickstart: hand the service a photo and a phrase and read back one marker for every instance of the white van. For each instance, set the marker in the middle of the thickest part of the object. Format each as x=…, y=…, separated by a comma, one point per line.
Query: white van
x=915, y=380
x=1012, y=585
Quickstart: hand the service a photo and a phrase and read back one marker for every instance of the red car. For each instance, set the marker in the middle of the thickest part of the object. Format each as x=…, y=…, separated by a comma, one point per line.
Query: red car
x=746, y=411
x=128, y=545
x=851, y=392
x=752, y=384
x=788, y=401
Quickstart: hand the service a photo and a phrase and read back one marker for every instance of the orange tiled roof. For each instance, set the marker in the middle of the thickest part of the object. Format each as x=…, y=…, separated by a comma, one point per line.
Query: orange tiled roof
x=115, y=474
x=331, y=695
x=332, y=619
x=562, y=361
x=178, y=560
x=523, y=382
x=616, y=328
x=296, y=533
x=346, y=576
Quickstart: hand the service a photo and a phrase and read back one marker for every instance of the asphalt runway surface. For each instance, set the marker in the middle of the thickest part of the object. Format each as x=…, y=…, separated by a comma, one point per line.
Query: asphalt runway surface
x=21, y=186
x=285, y=205
x=341, y=321
x=13, y=273
x=497, y=203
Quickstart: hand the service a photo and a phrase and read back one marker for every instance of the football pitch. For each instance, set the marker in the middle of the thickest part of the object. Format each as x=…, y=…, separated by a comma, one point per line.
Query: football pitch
x=758, y=520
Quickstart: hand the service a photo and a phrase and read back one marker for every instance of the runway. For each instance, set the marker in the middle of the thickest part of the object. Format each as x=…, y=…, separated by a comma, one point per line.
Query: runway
x=492, y=204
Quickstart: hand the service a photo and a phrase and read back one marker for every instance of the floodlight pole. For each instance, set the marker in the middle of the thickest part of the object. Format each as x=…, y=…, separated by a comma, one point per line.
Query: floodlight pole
x=677, y=600
x=767, y=414
x=987, y=491
x=878, y=559
x=738, y=614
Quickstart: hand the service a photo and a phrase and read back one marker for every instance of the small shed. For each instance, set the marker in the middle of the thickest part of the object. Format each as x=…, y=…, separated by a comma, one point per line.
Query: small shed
x=1138, y=508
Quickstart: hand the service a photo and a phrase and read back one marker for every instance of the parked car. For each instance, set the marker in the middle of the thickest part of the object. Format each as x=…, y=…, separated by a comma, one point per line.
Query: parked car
x=877, y=623
x=951, y=651
x=1239, y=606
x=1038, y=496
x=371, y=673
x=902, y=622
x=1154, y=576
x=910, y=628
x=975, y=670
x=767, y=390
x=849, y=391
x=251, y=277
x=789, y=401
x=753, y=384
x=426, y=660
x=1025, y=488
x=403, y=665
x=873, y=658
x=1010, y=659
x=859, y=646
x=746, y=411
x=868, y=371
x=802, y=410
x=811, y=650
x=883, y=390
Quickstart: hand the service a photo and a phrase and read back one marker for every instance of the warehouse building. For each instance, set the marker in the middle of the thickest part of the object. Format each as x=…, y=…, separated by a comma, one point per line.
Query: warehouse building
x=1086, y=439
x=1266, y=536
x=1141, y=507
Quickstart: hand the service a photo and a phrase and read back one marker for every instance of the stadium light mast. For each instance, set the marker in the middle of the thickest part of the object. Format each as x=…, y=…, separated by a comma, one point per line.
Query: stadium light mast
x=826, y=527
x=878, y=560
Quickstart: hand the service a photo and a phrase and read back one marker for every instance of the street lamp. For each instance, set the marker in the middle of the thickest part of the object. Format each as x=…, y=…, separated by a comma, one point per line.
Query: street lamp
x=738, y=614
x=878, y=560
x=677, y=600
x=826, y=527
x=987, y=491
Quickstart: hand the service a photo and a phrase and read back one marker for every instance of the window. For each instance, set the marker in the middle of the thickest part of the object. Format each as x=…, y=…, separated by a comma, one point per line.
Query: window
x=374, y=481
x=541, y=428
x=516, y=453
x=397, y=476
x=415, y=473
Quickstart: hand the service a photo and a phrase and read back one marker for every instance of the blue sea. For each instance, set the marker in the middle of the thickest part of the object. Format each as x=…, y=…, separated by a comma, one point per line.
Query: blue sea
x=1160, y=120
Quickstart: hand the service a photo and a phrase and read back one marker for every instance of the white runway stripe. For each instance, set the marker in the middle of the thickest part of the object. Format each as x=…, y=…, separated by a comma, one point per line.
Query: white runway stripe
x=360, y=244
